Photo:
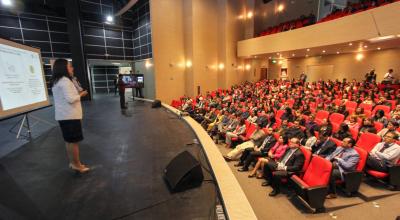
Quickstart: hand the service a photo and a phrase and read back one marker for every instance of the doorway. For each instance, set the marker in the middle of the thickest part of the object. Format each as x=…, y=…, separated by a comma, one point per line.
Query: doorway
x=264, y=73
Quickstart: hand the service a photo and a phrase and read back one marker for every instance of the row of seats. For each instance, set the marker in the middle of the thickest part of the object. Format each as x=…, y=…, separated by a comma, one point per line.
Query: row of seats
x=289, y=25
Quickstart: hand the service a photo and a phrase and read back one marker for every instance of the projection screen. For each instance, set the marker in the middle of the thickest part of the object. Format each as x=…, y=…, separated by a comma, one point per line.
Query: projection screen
x=22, y=82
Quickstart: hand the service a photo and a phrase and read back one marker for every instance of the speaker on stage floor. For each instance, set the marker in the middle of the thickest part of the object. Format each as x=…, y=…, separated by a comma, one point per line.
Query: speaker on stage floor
x=183, y=172
x=156, y=104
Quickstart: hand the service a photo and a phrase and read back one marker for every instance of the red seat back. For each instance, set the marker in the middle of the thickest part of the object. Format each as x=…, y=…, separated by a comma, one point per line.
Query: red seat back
x=307, y=157
x=378, y=126
x=354, y=133
x=385, y=108
x=337, y=141
x=351, y=104
x=321, y=114
x=363, y=158
x=365, y=106
x=367, y=141
x=318, y=172
x=250, y=130
x=336, y=119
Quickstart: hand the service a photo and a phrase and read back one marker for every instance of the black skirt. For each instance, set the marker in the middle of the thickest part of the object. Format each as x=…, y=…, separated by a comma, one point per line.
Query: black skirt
x=71, y=130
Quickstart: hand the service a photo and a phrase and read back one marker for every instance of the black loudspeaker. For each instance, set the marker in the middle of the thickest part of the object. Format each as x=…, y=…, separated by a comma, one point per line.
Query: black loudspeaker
x=266, y=1
x=183, y=172
x=156, y=104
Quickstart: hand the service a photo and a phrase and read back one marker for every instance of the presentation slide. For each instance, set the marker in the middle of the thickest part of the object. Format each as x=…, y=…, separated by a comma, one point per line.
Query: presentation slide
x=22, y=83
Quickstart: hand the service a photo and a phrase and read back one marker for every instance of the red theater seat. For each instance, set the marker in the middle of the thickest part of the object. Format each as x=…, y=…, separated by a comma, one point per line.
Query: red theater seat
x=392, y=177
x=313, y=187
x=321, y=115
x=367, y=141
x=365, y=106
x=336, y=119
x=385, y=108
x=352, y=180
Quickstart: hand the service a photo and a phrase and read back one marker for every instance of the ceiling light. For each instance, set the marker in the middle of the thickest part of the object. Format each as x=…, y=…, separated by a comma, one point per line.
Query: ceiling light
x=337, y=52
x=280, y=62
x=221, y=66
x=306, y=55
x=248, y=66
x=255, y=56
x=277, y=53
x=6, y=2
x=189, y=64
x=293, y=55
x=365, y=46
x=350, y=44
x=359, y=56
x=109, y=19
x=116, y=63
x=240, y=17
x=148, y=64
x=249, y=14
x=269, y=57
x=378, y=48
x=308, y=49
x=281, y=7
x=323, y=51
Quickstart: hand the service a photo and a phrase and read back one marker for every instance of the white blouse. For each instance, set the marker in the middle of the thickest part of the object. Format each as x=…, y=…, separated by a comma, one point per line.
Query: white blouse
x=67, y=101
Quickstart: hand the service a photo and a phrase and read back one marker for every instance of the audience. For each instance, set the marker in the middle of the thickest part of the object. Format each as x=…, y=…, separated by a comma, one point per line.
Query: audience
x=384, y=154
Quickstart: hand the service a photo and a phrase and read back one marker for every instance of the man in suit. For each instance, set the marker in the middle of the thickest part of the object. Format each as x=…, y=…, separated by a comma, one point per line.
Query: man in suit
x=323, y=146
x=344, y=159
x=290, y=163
x=251, y=154
x=295, y=131
x=384, y=154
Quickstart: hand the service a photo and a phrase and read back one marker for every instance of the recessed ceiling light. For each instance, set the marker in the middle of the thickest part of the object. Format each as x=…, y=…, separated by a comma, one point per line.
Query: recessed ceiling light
x=293, y=55
x=306, y=55
x=255, y=56
x=6, y=2
x=280, y=7
x=365, y=46
x=249, y=14
x=269, y=57
x=350, y=44
x=277, y=53
x=359, y=56
x=308, y=49
x=378, y=48
x=337, y=52
x=323, y=51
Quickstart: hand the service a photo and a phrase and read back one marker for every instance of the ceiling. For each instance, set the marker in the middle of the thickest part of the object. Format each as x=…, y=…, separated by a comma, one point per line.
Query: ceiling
x=344, y=48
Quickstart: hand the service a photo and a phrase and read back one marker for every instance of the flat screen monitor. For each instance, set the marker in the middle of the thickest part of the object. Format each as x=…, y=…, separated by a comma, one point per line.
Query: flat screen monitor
x=22, y=82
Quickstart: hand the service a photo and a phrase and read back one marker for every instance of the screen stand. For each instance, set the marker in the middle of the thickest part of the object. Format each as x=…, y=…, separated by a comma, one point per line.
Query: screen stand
x=24, y=123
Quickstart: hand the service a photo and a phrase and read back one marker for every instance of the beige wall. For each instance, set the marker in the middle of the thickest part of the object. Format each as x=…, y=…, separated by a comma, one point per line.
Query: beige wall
x=148, y=73
x=204, y=32
x=168, y=48
x=344, y=66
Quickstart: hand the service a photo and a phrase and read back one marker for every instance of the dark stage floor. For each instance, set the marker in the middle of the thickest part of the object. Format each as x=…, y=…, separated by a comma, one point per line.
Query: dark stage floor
x=128, y=153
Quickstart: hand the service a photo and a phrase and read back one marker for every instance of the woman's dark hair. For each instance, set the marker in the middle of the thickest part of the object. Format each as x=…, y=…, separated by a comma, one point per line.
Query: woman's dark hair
x=311, y=131
x=344, y=127
x=285, y=139
x=59, y=70
x=379, y=113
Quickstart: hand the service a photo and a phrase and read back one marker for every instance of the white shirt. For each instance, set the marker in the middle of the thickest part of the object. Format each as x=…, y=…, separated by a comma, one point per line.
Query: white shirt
x=67, y=101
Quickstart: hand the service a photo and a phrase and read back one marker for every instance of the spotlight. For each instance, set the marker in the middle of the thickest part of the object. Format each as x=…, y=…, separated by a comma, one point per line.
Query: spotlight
x=378, y=48
x=109, y=19
x=249, y=14
x=248, y=66
x=359, y=56
x=337, y=52
x=350, y=44
x=323, y=51
x=308, y=49
x=281, y=7
x=188, y=64
x=221, y=66
x=6, y=2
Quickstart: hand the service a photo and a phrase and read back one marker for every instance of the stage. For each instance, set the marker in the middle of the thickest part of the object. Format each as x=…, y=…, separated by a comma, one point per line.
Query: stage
x=127, y=152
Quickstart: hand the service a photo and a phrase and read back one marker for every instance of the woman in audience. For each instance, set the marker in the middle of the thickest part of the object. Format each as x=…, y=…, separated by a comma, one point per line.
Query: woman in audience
x=367, y=125
x=342, y=110
x=288, y=115
x=380, y=117
x=359, y=113
x=392, y=126
x=352, y=122
x=343, y=132
x=275, y=153
x=310, y=139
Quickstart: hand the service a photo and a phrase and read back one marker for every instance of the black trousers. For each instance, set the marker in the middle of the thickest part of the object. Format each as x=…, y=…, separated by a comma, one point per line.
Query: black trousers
x=335, y=175
x=122, y=99
x=375, y=164
x=249, y=156
x=272, y=175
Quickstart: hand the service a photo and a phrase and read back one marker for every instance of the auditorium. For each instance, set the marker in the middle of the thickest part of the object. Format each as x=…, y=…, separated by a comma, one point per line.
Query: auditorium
x=199, y=109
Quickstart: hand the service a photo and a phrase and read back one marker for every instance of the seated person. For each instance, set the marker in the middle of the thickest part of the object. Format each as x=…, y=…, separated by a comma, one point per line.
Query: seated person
x=311, y=123
x=290, y=163
x=288, y=115
x=275, y=153
x=359, y=113
x=367, y=125
x=323, y=146
x=342, y=110
x=343, y=132
x=217, y=120
x=284, y=126
x=229, y=127
x=325, y=127
x=239, y=130
x=294, y=131
x=384, y=154
x=208, y=118
x=352, y=122
x=380, y=117
x=392, y=126
x=309, y=139
x=255, y=140
x=250, y=155
x=344, y=159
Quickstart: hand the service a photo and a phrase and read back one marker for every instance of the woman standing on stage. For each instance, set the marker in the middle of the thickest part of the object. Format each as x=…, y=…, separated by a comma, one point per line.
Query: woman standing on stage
x=68, y=111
